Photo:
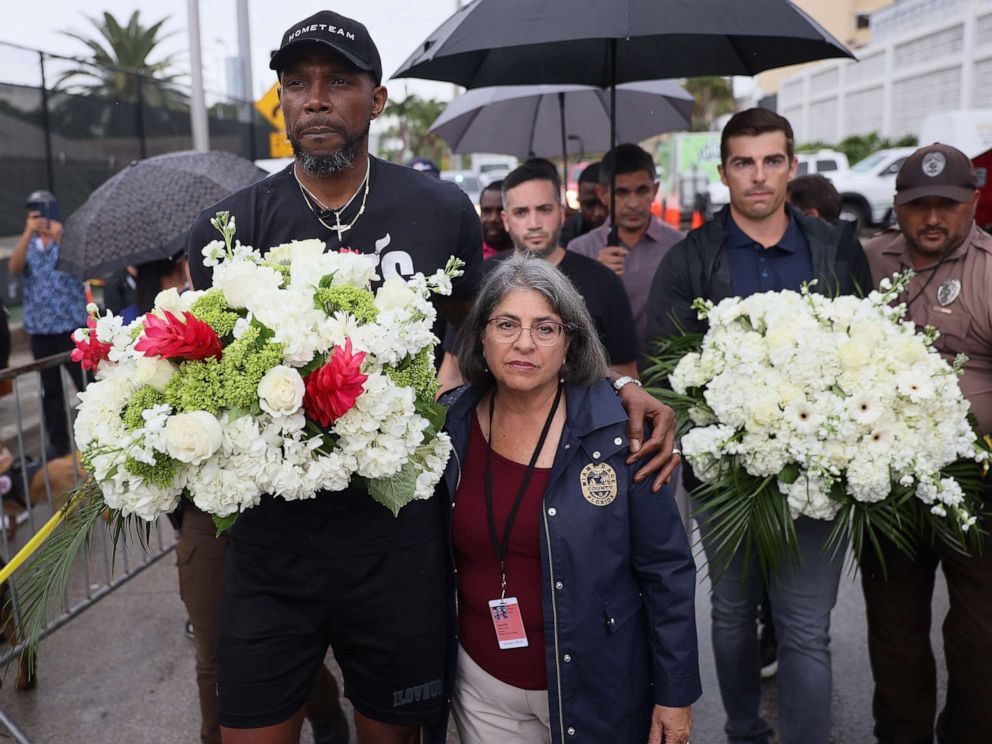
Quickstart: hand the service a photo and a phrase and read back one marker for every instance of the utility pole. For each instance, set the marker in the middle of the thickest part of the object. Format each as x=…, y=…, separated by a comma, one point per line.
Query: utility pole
x=244, y=55
x=197, y=102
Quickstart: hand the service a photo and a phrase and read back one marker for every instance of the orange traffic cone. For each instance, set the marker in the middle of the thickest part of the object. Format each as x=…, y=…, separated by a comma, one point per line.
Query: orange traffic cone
x=673, y=216
x=697, y=219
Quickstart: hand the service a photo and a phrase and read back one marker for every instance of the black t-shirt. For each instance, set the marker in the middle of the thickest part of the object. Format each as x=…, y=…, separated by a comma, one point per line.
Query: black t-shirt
x=606, y=300
x=414, y=222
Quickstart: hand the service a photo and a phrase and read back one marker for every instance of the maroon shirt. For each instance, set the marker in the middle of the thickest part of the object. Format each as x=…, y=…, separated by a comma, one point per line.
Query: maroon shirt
x=478, y=568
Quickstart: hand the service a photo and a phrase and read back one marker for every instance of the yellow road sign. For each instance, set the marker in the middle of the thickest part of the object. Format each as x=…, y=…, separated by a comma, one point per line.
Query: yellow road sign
x=279, y=146
x=268, y=106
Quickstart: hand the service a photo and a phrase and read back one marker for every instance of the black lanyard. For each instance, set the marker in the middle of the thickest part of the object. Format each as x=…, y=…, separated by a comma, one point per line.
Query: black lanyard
x=501, y=546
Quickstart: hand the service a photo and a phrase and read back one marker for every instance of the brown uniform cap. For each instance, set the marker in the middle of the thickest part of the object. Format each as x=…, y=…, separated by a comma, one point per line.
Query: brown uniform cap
x=936, y=170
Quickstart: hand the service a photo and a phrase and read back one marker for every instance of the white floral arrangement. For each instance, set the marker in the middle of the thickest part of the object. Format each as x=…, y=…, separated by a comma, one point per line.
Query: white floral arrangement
x=796, y=404
x=290, y=376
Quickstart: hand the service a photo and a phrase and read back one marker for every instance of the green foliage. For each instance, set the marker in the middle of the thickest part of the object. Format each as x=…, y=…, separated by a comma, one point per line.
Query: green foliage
x=223, y=524
x=162, y=473
x=120, y=66
x=243, y=365
x=417, y=372
x=411, y=118
x=349, y=299
x=215, y=312
x=858, y=147
x=212, y=385
x=197, y=386
x=46, y=574
x=144, y=398
x=713, y=97
x=396, y=492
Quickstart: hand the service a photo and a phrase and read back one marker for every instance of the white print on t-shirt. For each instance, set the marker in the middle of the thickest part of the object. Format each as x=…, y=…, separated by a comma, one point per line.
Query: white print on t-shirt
x=393, y=263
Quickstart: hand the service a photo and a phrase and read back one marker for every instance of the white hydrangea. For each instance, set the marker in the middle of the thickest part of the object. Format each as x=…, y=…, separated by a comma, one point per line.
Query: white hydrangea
x=229, y=460
x=843, y=388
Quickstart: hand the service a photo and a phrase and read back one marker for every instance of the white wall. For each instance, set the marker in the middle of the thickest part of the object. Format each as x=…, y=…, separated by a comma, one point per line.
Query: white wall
x=927, y=55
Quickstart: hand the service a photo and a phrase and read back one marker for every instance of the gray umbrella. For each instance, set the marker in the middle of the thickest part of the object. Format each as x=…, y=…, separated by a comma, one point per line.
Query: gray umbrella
x=144, y=212
x=543, y=120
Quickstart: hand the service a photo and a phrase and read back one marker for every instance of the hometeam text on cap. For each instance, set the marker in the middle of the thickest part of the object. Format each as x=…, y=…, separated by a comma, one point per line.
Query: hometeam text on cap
x=346, y=36
x=936, y=170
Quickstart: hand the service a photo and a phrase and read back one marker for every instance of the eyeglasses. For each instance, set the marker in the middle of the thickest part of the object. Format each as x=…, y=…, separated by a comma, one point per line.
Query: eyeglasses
x=544, y=333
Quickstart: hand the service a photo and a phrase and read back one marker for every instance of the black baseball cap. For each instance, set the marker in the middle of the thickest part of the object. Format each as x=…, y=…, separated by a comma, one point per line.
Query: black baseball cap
x=936, y=170
x=346, y=36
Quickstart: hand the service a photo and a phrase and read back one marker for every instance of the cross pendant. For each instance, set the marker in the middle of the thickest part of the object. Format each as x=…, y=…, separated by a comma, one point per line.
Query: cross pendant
x=338, y=227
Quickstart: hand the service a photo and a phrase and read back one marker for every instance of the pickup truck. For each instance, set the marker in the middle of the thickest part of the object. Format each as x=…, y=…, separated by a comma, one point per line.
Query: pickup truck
x=867, y=188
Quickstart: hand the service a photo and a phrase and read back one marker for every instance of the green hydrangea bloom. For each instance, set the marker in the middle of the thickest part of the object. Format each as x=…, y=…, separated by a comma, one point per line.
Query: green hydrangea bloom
x=197, y=386
x=136, y=330
x=162, y=473
x=416, y=372
x=244, y=363
x=357, y=302
x=215, y=312
x=143, y=399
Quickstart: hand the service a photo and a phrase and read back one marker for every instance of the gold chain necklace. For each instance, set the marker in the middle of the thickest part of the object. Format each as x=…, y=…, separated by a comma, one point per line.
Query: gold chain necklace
x=337, y=226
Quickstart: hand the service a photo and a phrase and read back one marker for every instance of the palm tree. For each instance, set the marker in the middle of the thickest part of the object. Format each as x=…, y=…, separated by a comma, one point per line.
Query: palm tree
x=118, y=66
x=714, y=97
x=412, y=118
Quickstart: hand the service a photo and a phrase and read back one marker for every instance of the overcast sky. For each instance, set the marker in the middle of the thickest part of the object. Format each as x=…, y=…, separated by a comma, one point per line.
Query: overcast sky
x=397, y=26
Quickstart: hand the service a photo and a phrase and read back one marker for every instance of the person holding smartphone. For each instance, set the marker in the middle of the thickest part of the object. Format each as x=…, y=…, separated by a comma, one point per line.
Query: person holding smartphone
x=54, y=306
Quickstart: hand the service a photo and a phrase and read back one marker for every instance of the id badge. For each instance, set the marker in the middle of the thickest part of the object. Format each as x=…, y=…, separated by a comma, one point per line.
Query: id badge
x=508, y=623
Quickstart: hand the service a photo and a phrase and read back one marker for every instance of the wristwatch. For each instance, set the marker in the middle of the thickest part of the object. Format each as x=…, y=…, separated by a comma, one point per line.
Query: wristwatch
x=621, y=381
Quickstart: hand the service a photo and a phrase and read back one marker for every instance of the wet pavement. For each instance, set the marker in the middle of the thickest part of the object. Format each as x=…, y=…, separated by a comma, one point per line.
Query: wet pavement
x=122, y=671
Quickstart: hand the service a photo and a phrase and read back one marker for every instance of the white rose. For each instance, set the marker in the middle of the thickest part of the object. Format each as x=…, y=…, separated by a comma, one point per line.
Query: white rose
x=280, y=391
x=764, y=412
x=154, y=371
x=193, y=437
x=241, y=281
x=853, y=355
x=168, y=299
x=288, y=252
x=910, y=350
x=394, y=294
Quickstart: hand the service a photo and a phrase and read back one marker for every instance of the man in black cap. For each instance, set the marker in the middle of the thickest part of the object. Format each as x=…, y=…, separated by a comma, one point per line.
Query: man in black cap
x=936, y=196
x=340, y=569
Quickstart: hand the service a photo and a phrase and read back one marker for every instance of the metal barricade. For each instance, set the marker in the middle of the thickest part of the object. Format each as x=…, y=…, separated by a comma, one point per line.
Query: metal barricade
x=42, y=486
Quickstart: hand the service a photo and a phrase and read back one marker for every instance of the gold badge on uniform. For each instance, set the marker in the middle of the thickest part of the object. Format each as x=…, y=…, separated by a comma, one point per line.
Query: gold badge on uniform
x=599, y=483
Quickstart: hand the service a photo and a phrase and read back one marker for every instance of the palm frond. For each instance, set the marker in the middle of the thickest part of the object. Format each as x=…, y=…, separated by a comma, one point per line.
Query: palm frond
x=46, y=574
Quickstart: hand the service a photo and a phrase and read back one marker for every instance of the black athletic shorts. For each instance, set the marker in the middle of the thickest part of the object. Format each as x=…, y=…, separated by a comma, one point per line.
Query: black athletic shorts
x=383, y=616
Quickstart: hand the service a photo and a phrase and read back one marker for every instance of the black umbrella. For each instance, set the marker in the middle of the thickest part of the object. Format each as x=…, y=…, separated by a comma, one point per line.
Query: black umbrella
x=144, y=212
x=530, y=120
x=523, y=42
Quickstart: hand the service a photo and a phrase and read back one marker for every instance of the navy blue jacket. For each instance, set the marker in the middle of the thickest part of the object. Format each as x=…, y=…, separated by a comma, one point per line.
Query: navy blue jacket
x=618, y=579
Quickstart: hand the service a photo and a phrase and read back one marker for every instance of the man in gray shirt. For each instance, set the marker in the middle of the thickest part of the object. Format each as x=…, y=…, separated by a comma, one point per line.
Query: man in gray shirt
x=644, y=239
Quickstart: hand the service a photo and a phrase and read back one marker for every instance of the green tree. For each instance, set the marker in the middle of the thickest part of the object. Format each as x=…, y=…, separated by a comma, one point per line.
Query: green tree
x=858, y=147
x=407, y=136
x=714, y=97
x=120, y=64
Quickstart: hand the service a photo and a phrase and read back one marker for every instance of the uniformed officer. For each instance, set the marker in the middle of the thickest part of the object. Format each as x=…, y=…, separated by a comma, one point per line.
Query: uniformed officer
x=936, y=196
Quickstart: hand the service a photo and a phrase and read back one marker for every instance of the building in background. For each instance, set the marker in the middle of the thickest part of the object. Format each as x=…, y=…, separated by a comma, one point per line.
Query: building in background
x=848, y=20
x=925, y=56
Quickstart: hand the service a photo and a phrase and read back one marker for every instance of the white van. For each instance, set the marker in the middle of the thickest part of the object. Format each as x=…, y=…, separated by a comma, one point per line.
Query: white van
x=969, y=131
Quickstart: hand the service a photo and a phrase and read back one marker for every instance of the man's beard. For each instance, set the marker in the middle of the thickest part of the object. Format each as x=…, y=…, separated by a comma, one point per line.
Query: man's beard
x=324, y=165
x=542, y=252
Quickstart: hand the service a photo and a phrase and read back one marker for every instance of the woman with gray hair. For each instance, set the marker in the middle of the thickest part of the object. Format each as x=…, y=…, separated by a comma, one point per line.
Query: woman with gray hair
x=575, y=584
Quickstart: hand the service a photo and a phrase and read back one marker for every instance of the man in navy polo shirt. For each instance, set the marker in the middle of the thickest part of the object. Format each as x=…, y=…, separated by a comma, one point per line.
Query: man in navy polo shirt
x=758, y=243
